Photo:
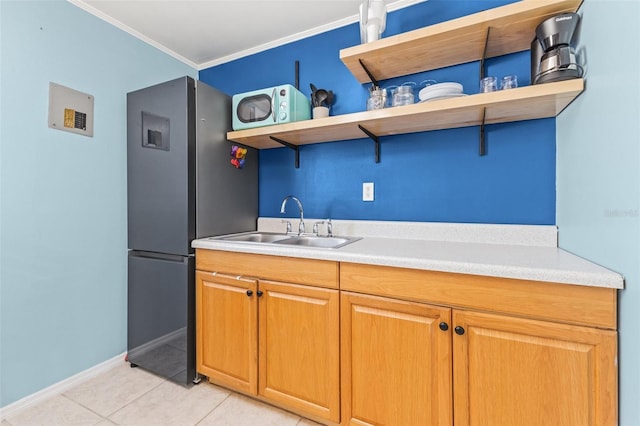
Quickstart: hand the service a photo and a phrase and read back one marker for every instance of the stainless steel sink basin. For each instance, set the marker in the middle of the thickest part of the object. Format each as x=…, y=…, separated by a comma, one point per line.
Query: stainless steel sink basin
x=257, y=237
x=287, y=239
x=315, y=241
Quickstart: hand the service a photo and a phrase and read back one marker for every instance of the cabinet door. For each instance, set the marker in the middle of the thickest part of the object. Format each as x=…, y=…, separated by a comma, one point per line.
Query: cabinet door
x=511, y=371
x=299, y=348
x=226, y=330
x=396, y=362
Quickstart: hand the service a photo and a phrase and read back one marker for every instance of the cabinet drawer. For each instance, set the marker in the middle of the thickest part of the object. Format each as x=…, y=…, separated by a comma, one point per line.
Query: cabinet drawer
x=319, y=273
x=574, y=304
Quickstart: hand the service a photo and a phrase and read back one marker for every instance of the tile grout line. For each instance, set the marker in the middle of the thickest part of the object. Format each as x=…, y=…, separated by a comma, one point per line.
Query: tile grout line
x=109, y=418
x=214, y=408
x=83, y=406
x=160, y=383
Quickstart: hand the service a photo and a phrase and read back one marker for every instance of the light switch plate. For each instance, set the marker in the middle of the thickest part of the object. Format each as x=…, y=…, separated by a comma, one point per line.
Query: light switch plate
x=367, y=191
x=70, y=110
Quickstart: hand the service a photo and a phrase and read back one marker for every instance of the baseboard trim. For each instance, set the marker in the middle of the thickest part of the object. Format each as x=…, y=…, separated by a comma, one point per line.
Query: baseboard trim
x=134, y=353
x=58, y=388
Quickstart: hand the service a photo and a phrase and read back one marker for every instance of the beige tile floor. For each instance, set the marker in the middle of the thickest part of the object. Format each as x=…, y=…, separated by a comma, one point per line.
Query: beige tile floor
x=132, y=396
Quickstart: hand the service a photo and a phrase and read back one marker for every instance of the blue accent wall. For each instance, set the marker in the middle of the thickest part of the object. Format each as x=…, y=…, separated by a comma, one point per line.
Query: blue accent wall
x=428, y=176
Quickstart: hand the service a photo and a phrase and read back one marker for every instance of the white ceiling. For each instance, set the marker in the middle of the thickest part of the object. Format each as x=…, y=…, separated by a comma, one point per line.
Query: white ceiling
x=204, y=33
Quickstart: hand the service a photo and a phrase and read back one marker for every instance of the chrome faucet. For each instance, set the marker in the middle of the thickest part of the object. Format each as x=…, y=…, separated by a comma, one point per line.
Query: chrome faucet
x=324, y=222
x=282, y=210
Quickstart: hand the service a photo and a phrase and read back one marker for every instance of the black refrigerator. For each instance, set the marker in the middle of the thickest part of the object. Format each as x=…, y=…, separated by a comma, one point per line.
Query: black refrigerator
x=181, y=185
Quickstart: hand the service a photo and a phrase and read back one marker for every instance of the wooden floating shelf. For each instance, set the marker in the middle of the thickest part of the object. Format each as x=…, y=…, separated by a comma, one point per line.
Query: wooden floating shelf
x=523, y=103
x=454, y=42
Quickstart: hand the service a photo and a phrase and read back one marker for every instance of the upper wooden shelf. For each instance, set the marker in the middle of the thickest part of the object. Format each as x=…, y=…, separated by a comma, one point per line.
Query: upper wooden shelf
x=523, y=103
x=454, y=42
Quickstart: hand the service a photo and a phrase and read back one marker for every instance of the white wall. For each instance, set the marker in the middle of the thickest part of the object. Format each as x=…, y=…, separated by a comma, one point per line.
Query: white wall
x=598, y=171
x=63, y=196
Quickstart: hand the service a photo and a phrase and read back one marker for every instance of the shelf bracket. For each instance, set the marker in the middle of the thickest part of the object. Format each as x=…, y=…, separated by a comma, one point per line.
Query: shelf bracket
x=371, y=77
x=375, y=139
x=296, y=148
x=484, y=54
x=483, y=143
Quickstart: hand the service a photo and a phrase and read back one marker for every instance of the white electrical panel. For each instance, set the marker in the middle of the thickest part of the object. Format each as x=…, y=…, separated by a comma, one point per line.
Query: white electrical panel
x=70, y=110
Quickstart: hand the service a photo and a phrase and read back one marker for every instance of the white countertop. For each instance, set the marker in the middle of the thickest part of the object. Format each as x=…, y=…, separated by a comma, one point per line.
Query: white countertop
x=507, y=251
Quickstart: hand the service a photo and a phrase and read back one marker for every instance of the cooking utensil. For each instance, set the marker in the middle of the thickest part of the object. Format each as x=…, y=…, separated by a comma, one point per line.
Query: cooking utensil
x=329, y=100
x=377, y=99
x=321, y=96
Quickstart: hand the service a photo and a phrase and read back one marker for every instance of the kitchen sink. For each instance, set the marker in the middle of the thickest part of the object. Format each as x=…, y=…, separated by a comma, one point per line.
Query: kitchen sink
x=288, y=239
x=315, y=241
x=256, y=237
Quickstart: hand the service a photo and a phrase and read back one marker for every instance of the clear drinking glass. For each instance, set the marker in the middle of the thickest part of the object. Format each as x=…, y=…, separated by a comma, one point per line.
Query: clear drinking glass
x=488, y=84
x=509, y=82
x=403, y=95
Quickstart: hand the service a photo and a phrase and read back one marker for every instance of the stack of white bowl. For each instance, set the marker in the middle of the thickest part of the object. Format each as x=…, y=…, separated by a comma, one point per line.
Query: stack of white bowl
x=441, y=91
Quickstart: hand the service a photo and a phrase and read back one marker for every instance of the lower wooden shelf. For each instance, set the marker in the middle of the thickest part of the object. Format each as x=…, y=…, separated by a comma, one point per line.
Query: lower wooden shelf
x=523, y=103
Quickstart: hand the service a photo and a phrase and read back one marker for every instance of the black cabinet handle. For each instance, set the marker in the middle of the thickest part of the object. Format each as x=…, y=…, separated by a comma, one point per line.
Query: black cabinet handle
x=444, y=326
x=259, y=293
x=249, y=293
x=459, y=330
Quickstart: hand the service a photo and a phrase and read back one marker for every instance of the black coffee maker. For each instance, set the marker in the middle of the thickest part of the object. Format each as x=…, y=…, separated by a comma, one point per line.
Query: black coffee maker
x=552, y=55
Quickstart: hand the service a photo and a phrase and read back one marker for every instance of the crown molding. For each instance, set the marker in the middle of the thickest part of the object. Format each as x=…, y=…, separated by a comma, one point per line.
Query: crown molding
x=392, y=6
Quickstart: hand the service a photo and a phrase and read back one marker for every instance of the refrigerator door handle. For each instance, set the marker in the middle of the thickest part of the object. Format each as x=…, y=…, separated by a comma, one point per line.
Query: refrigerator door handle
x=161, y=256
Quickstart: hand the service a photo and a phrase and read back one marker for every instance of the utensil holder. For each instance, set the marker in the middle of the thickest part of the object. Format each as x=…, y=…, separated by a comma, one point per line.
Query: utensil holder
x=320, y=112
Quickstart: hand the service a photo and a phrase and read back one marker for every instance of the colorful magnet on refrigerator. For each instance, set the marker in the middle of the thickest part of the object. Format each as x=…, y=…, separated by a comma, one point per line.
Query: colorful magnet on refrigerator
x=238, y=164
x=238, y=152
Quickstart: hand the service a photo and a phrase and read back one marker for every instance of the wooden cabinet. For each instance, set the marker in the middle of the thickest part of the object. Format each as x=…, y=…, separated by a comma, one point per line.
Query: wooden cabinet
x=396, y=362
x=527, y=363
x=400, y=346
x=276, y=340
x=299, y=348
x=227, y=330
x=509, y=371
